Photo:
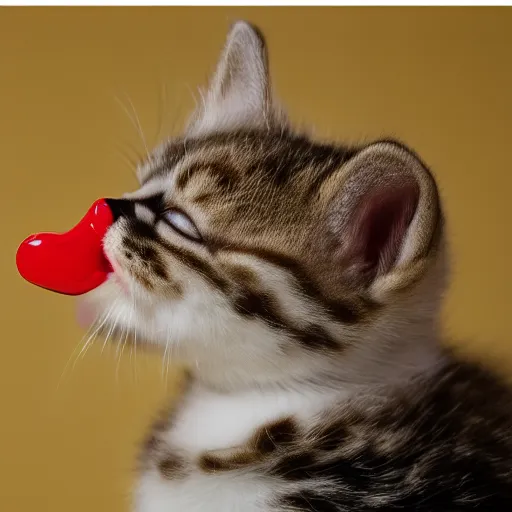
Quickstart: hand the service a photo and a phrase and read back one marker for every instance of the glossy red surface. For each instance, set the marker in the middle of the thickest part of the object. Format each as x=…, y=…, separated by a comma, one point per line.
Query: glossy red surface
x=71, y=263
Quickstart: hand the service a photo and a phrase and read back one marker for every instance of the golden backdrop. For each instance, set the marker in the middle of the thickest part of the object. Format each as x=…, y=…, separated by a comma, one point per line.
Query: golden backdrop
x=438, y=78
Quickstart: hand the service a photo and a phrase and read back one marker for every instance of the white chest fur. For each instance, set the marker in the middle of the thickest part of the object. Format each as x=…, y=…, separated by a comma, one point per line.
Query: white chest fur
x=213, y=421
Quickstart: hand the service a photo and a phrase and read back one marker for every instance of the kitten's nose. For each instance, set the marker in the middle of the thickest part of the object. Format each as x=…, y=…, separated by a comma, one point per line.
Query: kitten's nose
x=121, y=208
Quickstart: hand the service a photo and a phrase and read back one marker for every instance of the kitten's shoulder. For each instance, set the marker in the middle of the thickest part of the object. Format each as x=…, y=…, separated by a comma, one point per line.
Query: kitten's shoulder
x=443, y=441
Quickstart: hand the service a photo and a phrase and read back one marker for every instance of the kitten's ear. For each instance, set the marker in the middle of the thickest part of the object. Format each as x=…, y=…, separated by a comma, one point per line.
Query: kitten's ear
x=239, y=95
x=384, y=218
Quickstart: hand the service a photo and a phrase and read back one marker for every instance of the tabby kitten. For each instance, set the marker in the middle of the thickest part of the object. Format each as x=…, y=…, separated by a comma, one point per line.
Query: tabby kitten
x=301, y=284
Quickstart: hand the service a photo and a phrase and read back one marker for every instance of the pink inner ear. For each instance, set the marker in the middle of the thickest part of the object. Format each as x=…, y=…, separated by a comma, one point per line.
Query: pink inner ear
x=379, y=224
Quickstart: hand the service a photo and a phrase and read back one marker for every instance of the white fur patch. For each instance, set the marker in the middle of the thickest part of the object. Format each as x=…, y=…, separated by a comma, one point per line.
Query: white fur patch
x=203, y=493
x=212, y=421
x=215, y=421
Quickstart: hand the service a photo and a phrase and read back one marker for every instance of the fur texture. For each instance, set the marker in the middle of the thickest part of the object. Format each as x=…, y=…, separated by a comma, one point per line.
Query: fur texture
x=301, y=283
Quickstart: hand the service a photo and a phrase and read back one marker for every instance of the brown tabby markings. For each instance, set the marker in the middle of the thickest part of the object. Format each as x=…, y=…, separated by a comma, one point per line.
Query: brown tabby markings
x=265, y=441
x=227, y=460
x=238, y=178
x=388, y=446
x=152, y=265
x=194, y=262
x=250, y=301
x=222, y=176
x=345, y=311
x=171, y=467
x=256, y=168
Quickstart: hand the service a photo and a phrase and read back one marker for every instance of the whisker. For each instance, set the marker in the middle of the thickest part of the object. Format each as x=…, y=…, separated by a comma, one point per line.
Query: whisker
x=128, y=160
x=93, y=336
x=139, y=126
x=120, y=350
x=110, y=331
x=133, y=348
x=162, y=99
x=164, y=358
x=194, y=97
x=134, y=118
x=89, y=337
x=73, y=353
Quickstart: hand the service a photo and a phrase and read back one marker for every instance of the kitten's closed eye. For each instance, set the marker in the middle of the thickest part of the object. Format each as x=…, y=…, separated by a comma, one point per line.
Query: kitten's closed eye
x=182, y=224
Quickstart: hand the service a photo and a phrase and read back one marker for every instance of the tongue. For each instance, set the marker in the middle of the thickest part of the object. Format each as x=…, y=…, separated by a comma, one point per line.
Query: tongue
x=71, y=263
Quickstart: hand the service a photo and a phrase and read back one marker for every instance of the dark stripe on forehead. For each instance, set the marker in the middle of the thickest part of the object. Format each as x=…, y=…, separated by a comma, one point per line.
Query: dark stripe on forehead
x=290, y=161
x=187, y=174
x=281, y=154
x=223, y=174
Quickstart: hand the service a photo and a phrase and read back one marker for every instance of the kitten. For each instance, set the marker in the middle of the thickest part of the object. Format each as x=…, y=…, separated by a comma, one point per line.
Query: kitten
x=301, y=283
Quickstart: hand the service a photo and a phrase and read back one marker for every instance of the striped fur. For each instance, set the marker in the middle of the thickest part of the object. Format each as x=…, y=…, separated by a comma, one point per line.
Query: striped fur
x=302, y=287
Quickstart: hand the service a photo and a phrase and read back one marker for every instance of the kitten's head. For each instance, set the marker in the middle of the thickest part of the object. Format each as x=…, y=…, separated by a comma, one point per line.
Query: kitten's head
x=256, y=254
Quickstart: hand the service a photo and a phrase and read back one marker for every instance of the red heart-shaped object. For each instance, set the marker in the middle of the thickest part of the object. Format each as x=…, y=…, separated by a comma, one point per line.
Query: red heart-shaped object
x=71, y=263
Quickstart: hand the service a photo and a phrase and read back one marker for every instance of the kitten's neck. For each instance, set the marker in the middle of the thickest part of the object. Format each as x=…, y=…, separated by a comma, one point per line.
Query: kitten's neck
x=383, y=362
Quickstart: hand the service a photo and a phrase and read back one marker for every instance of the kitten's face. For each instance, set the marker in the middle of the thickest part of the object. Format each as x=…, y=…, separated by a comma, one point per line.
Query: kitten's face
x=249, y=246
x=218, y=246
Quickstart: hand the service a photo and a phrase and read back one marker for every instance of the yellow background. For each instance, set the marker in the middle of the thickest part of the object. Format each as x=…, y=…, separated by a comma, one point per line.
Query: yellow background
x=438, y=78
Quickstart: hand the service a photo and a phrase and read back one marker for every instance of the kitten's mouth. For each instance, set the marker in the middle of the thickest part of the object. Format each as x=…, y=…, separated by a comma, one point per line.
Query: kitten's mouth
x=119, y=280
